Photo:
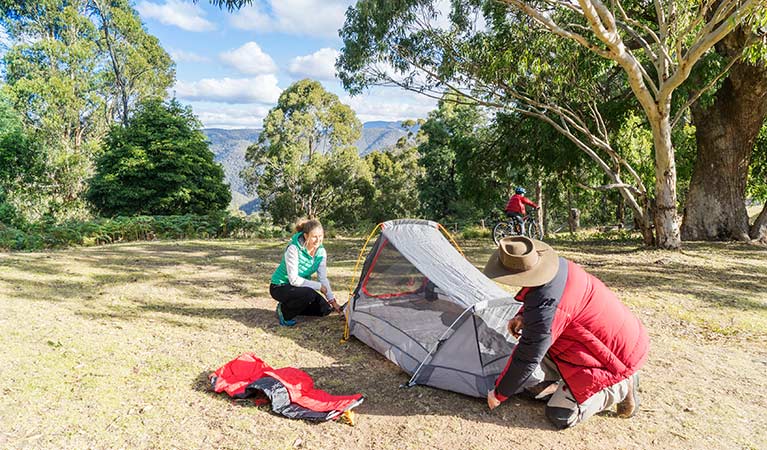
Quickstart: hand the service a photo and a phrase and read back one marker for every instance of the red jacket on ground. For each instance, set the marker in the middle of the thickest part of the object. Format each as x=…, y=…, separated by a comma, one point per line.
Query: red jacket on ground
x=517, y=204
x=593, y=338
x=236, y=375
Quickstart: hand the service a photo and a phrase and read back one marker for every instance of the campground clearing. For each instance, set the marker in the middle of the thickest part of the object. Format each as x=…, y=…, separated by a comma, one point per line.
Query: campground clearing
x=109, y=347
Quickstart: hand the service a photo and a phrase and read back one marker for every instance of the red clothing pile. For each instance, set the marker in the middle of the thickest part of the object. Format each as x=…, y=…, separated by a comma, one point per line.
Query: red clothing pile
x=290, y=390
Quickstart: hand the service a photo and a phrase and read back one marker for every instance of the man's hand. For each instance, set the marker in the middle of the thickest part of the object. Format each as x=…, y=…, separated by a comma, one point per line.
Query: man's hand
x=492, y=401
x=324, y=290
x=515, y=326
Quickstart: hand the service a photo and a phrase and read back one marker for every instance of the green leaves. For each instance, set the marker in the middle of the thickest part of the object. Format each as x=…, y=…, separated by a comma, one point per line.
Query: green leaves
x=396, y=175
x=304, y=159
x=159, y=163
x=72, y=69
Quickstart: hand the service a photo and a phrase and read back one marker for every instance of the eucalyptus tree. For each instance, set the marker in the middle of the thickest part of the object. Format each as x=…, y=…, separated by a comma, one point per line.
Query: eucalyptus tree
x=138, y=67
x=727, y=125
x=757, y=186
x=554, y=60
x=72, y=67
x=395, y=176
x=449, y=132
x=230, y=4
x=304, y=162
x=52, y=77
x=20, y=166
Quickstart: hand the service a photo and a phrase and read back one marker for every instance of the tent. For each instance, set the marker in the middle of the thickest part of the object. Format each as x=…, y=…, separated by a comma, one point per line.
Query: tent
x=420, y=303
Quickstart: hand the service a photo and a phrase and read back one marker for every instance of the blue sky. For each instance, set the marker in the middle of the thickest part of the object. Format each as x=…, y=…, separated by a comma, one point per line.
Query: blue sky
x=231, y=67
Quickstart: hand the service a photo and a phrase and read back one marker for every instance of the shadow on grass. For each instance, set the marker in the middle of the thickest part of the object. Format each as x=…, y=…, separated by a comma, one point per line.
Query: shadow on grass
x=250, y=317
x=734, y=285
x=52, y=276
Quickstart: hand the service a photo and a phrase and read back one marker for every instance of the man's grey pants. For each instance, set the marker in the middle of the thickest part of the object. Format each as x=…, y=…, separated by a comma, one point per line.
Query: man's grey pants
x=562, y=409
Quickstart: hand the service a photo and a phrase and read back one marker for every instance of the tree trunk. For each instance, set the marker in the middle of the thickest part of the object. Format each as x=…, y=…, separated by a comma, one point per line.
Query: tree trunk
x=665, y=218
x=759, y=229
x=726, y=133
x=539, y=196
x=574, y=219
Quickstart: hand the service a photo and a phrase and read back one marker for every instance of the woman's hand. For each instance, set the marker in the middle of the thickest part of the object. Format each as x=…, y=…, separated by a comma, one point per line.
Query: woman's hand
x=333, y=304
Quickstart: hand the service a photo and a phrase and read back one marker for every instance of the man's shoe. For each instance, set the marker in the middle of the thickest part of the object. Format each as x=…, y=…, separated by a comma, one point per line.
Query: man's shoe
x=284, y=322
x=629, y=406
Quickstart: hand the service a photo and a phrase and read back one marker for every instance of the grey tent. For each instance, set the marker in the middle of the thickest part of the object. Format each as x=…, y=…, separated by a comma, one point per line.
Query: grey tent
x=421, y=304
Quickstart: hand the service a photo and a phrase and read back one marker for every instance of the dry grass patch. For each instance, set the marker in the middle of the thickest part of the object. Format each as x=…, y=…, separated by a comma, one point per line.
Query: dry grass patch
x=108, y=347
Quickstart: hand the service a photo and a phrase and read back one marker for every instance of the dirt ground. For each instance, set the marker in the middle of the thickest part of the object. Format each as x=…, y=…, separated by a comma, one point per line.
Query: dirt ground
x=109, y=347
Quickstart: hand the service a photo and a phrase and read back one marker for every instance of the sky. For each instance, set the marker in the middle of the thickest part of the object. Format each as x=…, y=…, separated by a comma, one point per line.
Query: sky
x=232, y=66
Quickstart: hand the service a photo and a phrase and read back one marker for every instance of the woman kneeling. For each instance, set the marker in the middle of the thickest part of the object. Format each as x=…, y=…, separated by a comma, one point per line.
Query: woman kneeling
x=292, y=286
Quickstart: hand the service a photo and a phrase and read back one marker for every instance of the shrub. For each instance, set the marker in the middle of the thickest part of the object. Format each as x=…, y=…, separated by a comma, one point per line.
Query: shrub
x=45, y=235
x=475, y=232
x=159, y=163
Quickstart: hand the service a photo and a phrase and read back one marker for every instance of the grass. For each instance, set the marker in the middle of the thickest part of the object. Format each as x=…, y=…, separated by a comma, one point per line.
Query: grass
x=109, y=347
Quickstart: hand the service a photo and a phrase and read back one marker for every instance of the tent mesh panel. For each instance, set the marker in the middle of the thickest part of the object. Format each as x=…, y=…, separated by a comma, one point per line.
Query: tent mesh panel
x=396, y=292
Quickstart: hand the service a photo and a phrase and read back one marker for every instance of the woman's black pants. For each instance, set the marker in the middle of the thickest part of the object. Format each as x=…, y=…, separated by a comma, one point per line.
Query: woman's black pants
x=300, y=300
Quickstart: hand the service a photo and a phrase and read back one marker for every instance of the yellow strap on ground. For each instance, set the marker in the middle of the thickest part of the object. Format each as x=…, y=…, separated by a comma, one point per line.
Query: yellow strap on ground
x=349, y=417
x=351, y=283
x=449, y=236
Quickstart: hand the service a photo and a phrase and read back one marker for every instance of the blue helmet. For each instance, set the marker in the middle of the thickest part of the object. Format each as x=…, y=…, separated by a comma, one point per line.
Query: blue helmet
x=520, y=190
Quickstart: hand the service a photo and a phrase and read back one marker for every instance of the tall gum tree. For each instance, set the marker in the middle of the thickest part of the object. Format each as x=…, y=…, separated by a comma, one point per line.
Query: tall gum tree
x=138, y=67
x=52, y=77
x=726, y=132
x=758, y=185
x=307, y=141
x=655, y=55
x=72, y=68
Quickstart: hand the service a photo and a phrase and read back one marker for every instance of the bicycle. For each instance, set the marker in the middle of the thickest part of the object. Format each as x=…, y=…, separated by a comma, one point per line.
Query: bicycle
x=511, y=227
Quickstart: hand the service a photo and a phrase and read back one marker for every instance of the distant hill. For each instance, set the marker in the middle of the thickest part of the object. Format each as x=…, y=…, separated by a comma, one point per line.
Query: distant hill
x=381, y=136
x=229, y=147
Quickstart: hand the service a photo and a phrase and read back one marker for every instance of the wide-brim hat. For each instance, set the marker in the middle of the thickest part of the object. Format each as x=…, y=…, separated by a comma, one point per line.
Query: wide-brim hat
x=521, y=261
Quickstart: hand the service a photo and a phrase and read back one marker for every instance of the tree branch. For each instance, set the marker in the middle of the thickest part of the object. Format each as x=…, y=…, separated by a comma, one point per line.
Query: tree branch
x=608, y=187
x=704, y=89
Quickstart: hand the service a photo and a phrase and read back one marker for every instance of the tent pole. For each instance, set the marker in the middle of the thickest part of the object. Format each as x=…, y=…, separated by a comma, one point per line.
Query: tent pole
x=411, y=383
x=351, y=284
x=450, y=236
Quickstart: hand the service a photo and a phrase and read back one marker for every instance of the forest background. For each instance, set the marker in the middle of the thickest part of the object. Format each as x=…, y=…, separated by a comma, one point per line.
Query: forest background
x=647, y=118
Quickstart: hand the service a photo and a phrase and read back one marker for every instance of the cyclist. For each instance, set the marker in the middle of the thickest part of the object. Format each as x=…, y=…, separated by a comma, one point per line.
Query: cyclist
x=515, y=208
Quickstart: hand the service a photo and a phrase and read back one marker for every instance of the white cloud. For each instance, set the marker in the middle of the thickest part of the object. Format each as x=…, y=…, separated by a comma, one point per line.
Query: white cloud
x=186, y=16
x=390, y=104
x=442, y=20
x=260, y=89
x=387, y=104
x=319, y=65
x=217, y=115
x=249, y=59
x=5, y=39
x=184, y=56
x=320, y=18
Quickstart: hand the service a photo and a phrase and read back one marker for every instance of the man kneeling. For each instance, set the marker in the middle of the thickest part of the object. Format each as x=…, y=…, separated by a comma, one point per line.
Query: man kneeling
x=579, y=346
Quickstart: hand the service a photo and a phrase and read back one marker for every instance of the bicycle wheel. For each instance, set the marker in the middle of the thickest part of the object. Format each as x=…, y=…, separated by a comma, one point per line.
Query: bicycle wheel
x=532, y=230
x=502, y=230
